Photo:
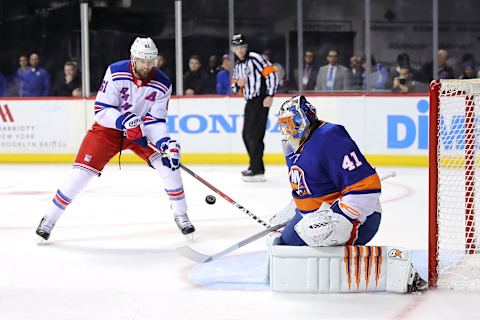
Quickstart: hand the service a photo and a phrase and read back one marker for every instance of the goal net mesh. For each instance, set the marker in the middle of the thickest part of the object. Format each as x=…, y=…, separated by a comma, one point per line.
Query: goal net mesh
x=458, y=194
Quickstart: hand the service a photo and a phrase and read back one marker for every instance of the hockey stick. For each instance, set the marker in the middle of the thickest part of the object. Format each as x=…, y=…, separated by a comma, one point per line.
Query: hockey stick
x=198, y=257
x=391, y=174
x=220, y=193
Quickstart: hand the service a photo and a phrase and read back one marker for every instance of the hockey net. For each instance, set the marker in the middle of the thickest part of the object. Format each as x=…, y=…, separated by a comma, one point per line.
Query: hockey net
x=454, y=260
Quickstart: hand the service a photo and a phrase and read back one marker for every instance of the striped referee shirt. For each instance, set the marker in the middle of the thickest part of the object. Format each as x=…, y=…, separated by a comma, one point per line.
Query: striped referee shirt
x=259, y=73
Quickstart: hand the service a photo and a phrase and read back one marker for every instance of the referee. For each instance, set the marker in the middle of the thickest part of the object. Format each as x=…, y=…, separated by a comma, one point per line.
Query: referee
x=256, y=78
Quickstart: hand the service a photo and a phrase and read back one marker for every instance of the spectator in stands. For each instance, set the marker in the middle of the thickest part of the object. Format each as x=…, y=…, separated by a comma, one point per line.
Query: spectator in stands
x=378, y=75
x=223, y=77
x=356, y=73
x=279, y=70
x=214, y=67
x=469, y=71
x=37, y=79
x=444, y=70
x=65, y=86
x=3, y=86
x=310, y=71
x=77, y=92
x=19, y=79
x=61, y=73
x=469, y=57
x=404, y=83
x=332, y=77
x=194, y=78
x=76, y=63
x=403, y=59
x=162, y=65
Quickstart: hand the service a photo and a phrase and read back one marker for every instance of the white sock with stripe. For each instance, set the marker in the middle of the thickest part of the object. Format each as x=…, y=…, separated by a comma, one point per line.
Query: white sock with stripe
x=75, y=183
x=172, y=182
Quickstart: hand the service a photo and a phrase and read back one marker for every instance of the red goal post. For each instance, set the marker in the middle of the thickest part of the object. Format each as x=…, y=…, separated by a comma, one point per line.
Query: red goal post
x=453, y=184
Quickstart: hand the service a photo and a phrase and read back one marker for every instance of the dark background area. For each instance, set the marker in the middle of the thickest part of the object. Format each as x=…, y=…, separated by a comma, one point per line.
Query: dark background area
x=52, y=29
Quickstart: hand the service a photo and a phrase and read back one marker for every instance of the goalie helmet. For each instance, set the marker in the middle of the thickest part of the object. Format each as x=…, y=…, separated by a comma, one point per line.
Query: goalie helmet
x=294, y=118
x=144, y=48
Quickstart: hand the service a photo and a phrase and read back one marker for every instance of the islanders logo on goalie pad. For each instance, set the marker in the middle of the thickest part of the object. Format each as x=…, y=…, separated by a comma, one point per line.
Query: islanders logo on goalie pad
x=298, y=181
x=395, y=253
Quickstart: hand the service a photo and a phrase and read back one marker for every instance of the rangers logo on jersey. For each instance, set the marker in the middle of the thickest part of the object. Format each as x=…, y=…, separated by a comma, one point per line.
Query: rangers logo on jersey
x=298, y=181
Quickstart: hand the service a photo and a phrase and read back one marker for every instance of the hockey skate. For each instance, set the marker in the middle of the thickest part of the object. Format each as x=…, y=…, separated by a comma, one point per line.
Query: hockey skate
x=246, y=172
x=184, y=224
x=44, y=229
x=417, y=285
x=249, y=176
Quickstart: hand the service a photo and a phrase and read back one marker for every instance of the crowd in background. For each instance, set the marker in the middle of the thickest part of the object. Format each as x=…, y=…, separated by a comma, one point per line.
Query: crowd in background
x=331, y=76
x=31, y=80
x=402, y=78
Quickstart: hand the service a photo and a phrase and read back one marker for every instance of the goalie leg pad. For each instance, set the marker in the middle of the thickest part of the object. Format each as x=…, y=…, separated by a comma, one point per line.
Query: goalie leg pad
x=340, y=269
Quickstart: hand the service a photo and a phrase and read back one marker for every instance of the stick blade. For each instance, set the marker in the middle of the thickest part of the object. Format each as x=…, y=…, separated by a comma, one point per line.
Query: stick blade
x=193, y=255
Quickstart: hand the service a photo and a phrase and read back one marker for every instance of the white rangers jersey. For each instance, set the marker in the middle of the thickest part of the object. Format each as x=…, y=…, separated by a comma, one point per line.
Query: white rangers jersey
x=121, y=92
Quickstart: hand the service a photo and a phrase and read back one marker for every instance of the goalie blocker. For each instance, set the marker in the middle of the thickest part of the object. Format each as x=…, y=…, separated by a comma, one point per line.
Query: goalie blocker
x=341, y=269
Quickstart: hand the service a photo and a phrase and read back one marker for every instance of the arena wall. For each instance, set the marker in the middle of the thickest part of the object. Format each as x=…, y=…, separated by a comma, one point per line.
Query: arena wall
x=389, y=129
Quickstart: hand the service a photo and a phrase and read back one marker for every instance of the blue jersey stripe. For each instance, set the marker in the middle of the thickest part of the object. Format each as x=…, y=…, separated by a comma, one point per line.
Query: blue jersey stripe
x=123, y=78
x=146, y=123
x=104, y=104
x=156, y=87
x=363, y=191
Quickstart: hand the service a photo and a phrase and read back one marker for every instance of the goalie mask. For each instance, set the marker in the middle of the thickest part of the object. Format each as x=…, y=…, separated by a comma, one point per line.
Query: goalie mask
x=145, y=51
x=294, y=118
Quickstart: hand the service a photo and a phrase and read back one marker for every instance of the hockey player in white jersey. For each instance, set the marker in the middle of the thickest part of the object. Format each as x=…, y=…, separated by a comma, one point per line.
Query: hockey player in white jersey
x=130, y=107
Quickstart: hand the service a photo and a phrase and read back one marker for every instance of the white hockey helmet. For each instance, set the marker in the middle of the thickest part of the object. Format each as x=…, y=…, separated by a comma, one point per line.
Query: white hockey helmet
x=144, y=48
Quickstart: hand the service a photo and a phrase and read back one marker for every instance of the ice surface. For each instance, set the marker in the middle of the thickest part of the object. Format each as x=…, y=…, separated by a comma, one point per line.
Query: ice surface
x=112, y=254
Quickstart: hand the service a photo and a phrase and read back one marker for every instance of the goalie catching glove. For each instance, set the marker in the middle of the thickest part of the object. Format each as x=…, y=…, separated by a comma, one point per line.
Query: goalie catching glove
x=171, y=148
x=324, y=227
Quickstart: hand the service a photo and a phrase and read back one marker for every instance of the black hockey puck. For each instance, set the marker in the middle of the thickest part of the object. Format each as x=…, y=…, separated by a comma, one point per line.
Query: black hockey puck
x=210, y=199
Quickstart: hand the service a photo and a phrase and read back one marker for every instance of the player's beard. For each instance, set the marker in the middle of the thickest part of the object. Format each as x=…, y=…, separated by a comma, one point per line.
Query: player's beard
x=142, y=73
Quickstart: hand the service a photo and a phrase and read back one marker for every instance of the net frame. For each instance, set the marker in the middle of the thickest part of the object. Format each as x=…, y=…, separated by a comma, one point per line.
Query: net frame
x=469, y=91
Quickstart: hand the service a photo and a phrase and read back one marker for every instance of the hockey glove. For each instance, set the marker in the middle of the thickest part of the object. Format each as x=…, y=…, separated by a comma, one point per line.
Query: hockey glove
x=172, y=150
x=133, y=126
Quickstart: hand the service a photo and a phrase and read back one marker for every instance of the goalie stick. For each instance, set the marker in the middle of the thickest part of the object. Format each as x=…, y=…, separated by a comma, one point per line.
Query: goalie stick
x=217, y=191
x=198, y=257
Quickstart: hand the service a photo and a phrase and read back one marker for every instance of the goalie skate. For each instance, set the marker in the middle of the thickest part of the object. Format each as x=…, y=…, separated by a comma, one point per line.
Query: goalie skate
x=184, y=224
x=417, y=285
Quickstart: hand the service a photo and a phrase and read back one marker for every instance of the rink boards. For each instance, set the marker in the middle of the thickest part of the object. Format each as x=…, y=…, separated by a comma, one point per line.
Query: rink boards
x=390, y=130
